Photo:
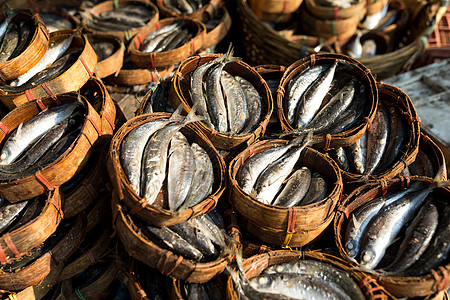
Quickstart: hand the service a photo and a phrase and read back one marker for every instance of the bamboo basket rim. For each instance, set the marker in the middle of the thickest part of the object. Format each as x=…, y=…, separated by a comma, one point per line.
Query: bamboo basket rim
x=219, y=32
x=211, y=6
x=132, y=77
x=330, y=12
x=112, y=63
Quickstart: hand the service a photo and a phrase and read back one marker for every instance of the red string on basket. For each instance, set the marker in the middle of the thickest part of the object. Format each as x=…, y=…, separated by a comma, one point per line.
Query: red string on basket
x=4, y=129
x=44, y=181
x=11, y=245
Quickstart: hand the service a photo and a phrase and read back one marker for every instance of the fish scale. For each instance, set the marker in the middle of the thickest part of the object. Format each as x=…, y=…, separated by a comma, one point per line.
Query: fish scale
x=236, y=102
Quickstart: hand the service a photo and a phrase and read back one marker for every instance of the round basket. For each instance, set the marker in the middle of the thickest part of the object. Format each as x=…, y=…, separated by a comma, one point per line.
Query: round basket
x=41, y=267
x=179, y=91
x=198, y=14
x=275, y=10
x=358, y=70
x=374, y=6
x=168, y=263
x=171, y=57
x=112, y=64
x=398, y=286
x=334, y=12
x=255, y=265
x=139, y=206
x=100, y=210
x=392, y=96
x=217, y=34
x=36, y=48
x=71, y=80
x=294, y=226
x=124, y=36
x=19, y=241
x=65, y=166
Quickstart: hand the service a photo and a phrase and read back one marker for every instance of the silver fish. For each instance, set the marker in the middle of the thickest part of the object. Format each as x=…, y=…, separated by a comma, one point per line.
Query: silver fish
x=152, y=40
x=377, y=140
x=9, y=15
x=216, y=234
x=54, y=22
x=372, y=21
x=203, y=179
x=321, y=270
x=317, y=190
x=357, y=152
x=9, y=42
x=354, y=47
x=235, y=101
x=180, y=170
x=312, y=98
x=253, y=100
x=341, y=159
x=31, y=130
x=215, y=100
x=295, y=188
x=271, y=179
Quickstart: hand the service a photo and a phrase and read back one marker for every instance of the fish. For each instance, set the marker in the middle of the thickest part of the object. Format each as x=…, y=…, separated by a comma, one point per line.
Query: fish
x=360, y=219
x=312, y=98
x=169, y=239
x=369, y=48
x=236, y=102
x=253, y=100
x=54, y=22
x=438, y=250
x=377, y=140
x=182, y=6
x=417, y=238
x=9, y=212
x=340, y=157
x=153, y=39
x=196, y=291
x=299, y=85
x=422, y=165
x=212, y=231
x=317, y=190
x=295, y=188
x=322, y=270
x=354, y=46
x=9, y=42
x=180, y=170
x=388, y=19
x=371, y=21
x=30, y=131
x=203, y=179
x=271, y=179
x=214, y=98
x=32, y=210
x=55, y=51
x=154, y=159
x=384, y=227
x=357, y=152
x=298, y=286
x=103, y=50
x=4, y=25
x=194, y=234
x=158, y=99
x=24, y=40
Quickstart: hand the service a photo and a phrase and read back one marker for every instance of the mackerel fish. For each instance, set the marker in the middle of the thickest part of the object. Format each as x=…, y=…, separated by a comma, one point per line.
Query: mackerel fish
x=317, y=190
x=9, y=42
x=236, y=102
x=295, y=188
x=376, y=140
x=253, y=100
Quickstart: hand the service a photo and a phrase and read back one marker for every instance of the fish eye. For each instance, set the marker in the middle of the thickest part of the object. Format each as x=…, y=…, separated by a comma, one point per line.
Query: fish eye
x=350, y=245
x=367, y=256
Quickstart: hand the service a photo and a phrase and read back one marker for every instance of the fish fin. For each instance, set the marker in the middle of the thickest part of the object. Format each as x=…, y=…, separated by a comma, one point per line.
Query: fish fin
x=356, y=223
x=176, y=115
x=440, y=174
x=19, y=130
x=192, y=117
x=9, y=11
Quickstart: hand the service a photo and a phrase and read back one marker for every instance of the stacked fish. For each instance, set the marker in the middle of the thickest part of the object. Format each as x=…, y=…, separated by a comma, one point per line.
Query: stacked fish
x=145, y=153
x=378, y=148
x=158, y=100
x=200, y=239
x=423, y=165
x=301, y=279
x=103, y=49
x=167, y=38
x=127, y=17
x=54, y=22
x=41, y=140
x=184, y=6
x=56, y=60
x=15, y=38
x=306, y=108
x=420, y=221
x=281, y=182
x=229, y=104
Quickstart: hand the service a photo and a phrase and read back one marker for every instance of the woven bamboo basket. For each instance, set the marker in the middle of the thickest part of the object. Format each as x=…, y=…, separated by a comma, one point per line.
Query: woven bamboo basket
x=328, y=28
x=198, y=14
x=166, y=81
x=41, y=267
x=99, y=211
x=295, y=226
x=168, y=263
x=65, y=166
x=112, y=64
x=392, y=96
x=20, y=64
x=88, y=183
x=275, y=10
x=171, y=57
x=217, y=34
x=374, y=6
x=90, y=254
x=150, y=213
x=423, y=286
x=358, y=70
x=71, y=80
x=16, y=243
x=37, y=291
x=125, y=36
x=96, y=93
x=334, y=12
x=179, y=91
x=132, y=77
x=255, y=265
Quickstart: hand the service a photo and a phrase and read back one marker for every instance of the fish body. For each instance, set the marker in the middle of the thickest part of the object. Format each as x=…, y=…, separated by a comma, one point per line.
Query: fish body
x=341, y=159
x=371, y=21
x=295, y=188
x=31, y=130
x=153, y=39
x=253, y=100
x=203, y=178
x=377, y=140
x=9, y=212
x=54, y=22
x=317, y=190
x=4, y=25
x=180, y=170
x=24, y=39
x=422, y=165
x=215, y=99
x=9, y=42
x=357, y=153
x=236, y=102
x=355, y=47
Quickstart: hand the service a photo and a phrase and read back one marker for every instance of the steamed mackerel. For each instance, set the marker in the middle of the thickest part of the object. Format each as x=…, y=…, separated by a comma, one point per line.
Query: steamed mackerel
x=311, y=100
x=376, y=140
x=321, y=270
x=203, y=177
x=152, y=40
x=295, y=188
x=215, y=100
x=55, y=51
x=357, y=152
x=9, y=42
x=317, y=190
x=132, y=149
x=31, y=130
x=270, y=180
x=341, y=159
x=253, y=100
x=180, y=170
x=235, y=101
x=5, y=23
x=25, y=31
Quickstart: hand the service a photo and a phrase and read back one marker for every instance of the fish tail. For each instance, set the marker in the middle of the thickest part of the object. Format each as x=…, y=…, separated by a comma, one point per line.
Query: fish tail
x=176, y=115
x=192, y=117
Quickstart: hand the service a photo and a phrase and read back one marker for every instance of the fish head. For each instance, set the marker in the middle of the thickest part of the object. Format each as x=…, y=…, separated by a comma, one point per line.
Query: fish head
x=351, y=247
x=369, y=258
